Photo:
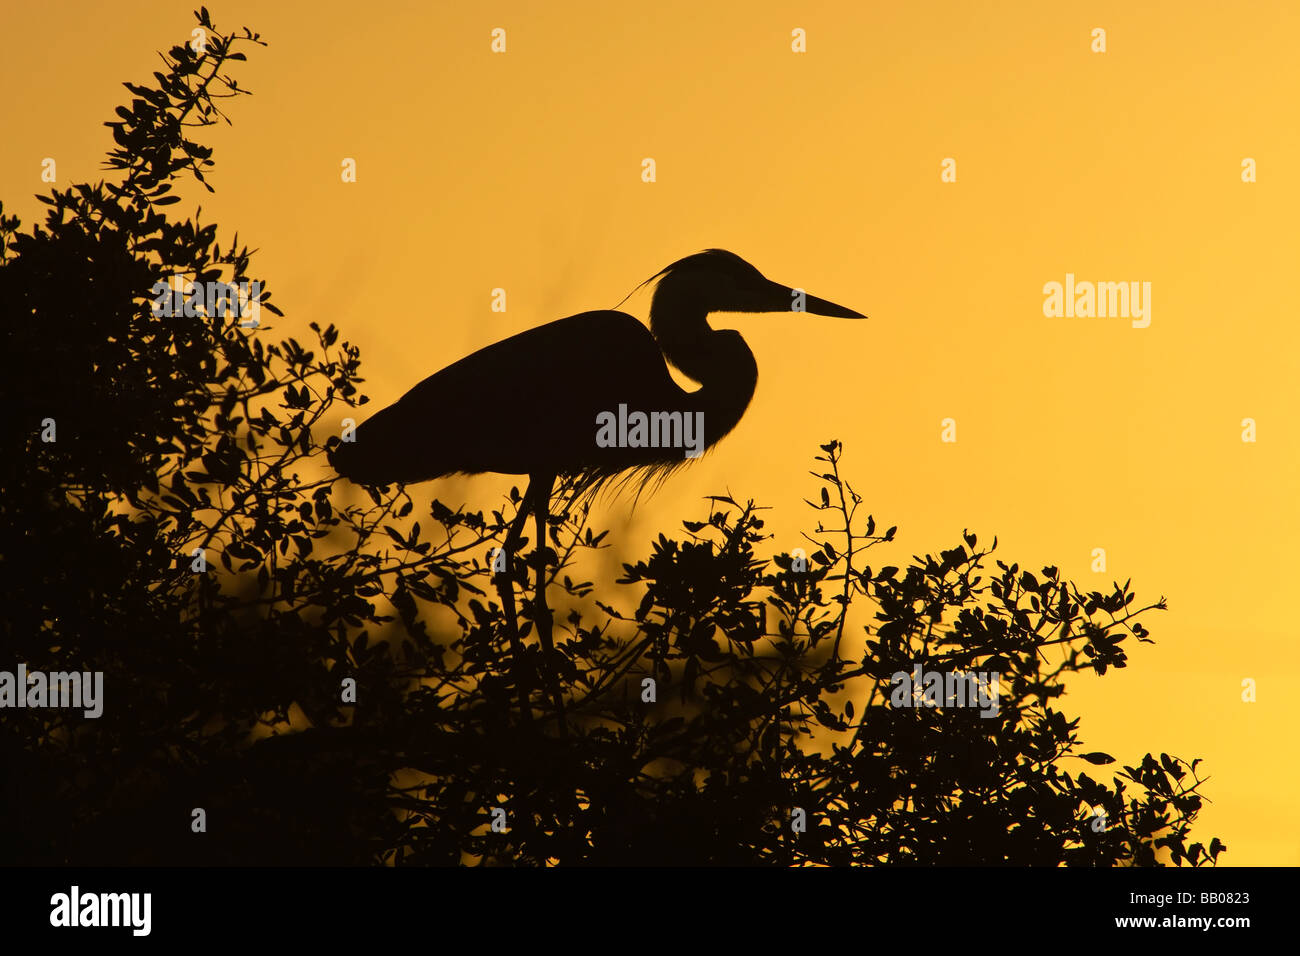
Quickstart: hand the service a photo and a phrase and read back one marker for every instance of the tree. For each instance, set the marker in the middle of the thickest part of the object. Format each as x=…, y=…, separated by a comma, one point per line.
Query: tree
x=328, y=679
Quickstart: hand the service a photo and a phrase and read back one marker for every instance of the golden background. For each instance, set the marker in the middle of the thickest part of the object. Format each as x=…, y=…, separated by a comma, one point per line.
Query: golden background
x=522, y=171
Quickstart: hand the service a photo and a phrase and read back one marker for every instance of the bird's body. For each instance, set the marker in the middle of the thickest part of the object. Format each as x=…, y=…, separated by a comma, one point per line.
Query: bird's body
x=533, y=404
x=530, y=404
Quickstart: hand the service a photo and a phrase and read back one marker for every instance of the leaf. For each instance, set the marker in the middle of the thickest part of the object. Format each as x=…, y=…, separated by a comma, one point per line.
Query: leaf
x=1097, y=757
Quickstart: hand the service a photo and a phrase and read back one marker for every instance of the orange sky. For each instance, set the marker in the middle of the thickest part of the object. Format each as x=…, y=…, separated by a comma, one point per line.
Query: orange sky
x=522, y=171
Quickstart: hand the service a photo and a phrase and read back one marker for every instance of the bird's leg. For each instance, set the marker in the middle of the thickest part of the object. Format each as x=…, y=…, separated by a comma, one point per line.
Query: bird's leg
x=550, y=661
x=541, y=510
x=506, y=591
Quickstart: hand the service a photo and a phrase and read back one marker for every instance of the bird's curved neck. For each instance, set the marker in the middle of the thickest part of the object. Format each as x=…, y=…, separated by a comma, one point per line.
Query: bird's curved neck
x=679, y=322
x=719, y=360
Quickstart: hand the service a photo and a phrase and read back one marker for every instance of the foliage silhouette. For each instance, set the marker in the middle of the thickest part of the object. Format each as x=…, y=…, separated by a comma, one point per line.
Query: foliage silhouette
x=223, y=686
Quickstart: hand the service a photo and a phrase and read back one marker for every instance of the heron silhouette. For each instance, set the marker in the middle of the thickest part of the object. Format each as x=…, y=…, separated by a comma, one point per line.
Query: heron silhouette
x=542, y=403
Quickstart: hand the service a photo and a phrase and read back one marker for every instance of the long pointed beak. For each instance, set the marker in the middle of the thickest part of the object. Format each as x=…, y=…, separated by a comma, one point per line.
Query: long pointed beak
x=786, y=299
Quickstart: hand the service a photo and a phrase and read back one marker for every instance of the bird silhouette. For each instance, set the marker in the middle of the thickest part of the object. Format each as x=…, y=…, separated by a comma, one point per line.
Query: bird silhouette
x=583, y=399
x=531, y=404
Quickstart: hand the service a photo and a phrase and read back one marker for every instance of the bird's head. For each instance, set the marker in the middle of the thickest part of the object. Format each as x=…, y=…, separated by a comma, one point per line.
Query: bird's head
x=721, y=281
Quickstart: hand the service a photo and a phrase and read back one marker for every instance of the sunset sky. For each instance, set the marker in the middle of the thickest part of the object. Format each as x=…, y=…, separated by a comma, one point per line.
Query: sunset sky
x=522, y=170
